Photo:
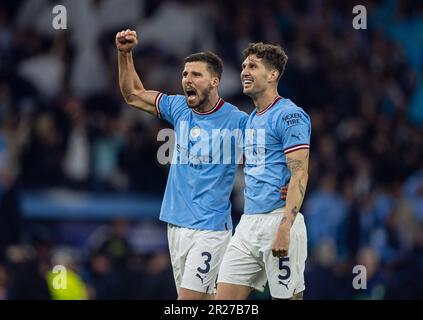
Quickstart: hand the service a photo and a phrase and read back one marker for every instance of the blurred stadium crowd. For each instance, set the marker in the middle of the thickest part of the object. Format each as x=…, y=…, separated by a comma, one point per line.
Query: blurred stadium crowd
x=64, y=124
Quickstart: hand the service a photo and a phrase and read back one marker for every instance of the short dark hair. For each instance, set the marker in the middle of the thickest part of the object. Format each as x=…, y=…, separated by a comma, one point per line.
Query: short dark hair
x=273, y=55
x=213, y=61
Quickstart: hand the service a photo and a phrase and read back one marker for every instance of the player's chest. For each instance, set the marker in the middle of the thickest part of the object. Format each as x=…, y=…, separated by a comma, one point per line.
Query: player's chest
x=260, y=133
x=209, y=139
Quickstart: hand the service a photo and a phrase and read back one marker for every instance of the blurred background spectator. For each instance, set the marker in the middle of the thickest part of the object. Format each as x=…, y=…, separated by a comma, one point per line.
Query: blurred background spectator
x=68, y=142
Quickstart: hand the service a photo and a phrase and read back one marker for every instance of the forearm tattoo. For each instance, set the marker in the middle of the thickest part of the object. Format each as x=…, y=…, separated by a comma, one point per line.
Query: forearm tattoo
x=294, y=165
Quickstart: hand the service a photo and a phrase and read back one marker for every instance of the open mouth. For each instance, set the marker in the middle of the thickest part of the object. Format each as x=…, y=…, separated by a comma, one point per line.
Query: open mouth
x=247, y=82
x=190, y=92
x=191, y=95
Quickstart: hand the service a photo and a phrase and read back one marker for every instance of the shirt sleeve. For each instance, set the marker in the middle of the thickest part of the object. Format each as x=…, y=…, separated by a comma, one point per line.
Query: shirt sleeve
x=170, y=107
x=295, y=127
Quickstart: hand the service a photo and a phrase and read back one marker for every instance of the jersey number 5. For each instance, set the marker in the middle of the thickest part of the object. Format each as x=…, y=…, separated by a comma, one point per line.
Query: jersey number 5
x=284, y=267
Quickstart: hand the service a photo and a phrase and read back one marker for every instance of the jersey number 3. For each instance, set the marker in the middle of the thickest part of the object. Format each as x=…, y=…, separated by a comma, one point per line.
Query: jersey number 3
x=206, y=262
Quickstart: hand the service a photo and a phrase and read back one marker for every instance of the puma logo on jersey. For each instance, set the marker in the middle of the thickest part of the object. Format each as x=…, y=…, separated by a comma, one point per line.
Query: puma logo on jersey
x=285, y=284
x=202, y=279
x=295, y=136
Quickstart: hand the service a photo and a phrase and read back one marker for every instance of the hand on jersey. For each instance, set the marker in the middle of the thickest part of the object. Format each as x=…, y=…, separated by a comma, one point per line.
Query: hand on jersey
x=126, y=40
x=280, y=245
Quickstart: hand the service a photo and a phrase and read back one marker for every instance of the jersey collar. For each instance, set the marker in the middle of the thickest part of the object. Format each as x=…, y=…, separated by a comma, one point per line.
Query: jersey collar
x=269, y=106
x=216, y=107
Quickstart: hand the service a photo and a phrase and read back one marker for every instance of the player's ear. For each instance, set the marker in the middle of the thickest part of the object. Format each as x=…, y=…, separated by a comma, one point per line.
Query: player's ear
x=273, y=75
x=215, y=82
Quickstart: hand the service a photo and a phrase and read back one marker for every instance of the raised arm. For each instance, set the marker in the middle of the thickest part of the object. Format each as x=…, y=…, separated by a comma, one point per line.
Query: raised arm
x=130, y=84
x=297, y=162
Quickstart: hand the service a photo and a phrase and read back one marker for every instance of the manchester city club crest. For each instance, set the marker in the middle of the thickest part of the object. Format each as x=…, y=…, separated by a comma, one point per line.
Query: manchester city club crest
x=195, y=132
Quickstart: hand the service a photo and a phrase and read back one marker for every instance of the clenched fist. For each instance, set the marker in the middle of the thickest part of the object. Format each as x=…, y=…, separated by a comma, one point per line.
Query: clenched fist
x=126, y=40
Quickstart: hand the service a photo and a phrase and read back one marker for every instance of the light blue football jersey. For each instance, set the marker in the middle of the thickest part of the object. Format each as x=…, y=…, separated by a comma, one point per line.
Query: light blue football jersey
x=281, y=128
x=208, y=147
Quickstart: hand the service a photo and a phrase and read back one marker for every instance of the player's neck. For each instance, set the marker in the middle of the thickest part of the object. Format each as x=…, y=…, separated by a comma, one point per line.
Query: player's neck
x=265, y=99
x=209, y=104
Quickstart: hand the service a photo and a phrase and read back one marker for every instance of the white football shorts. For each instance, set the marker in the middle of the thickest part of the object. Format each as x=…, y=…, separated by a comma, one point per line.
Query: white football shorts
x=249, y=261
x=196, y=256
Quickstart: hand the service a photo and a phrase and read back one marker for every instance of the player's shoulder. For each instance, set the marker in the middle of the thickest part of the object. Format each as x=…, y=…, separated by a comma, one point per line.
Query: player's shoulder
x=180, y=99
x=174, y=100
x=176, y=103
x=235, y=112
x=288, y=106
x=288, y=114
x=291, y=109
